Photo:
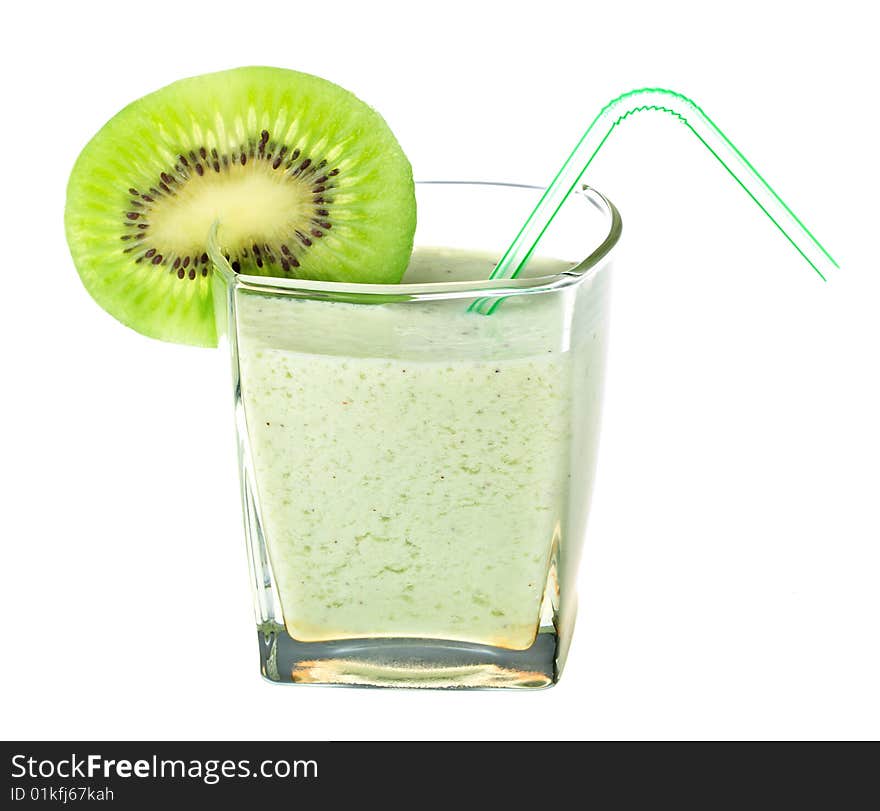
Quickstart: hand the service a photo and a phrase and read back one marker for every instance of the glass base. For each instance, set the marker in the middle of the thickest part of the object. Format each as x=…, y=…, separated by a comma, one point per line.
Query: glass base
x=424, y=663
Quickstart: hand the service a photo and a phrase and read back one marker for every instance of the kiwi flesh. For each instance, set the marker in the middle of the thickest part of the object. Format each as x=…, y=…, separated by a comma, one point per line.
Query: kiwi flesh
x=306, y=181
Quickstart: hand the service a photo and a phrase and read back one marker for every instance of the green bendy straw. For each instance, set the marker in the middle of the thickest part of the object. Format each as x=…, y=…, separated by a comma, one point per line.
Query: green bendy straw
x=737, y=165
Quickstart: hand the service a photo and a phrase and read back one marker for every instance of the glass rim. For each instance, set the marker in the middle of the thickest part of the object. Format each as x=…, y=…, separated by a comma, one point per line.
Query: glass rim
x=484, y=288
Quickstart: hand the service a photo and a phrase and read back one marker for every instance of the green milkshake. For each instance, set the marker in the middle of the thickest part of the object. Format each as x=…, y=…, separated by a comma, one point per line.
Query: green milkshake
x=413, y=462
x=415, y=476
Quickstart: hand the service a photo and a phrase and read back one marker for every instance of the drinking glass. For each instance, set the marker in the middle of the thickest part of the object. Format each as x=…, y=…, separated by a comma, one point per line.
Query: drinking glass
x=416, y=478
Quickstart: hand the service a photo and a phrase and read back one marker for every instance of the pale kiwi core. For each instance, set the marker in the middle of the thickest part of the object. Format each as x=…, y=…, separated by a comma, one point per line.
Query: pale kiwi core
x=252, y=203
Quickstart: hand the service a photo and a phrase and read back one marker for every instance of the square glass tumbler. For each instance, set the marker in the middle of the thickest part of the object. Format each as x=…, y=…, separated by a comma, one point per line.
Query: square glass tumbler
x=416, y=476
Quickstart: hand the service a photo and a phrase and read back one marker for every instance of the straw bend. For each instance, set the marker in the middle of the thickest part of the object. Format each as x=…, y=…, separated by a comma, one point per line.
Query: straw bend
x=693, y=117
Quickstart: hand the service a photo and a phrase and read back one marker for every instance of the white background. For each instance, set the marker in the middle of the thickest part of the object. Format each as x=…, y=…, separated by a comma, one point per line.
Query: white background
x=730, y=583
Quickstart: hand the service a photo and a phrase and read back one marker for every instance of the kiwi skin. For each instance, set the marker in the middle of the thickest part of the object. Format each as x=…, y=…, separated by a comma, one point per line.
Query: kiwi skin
x=359, y=218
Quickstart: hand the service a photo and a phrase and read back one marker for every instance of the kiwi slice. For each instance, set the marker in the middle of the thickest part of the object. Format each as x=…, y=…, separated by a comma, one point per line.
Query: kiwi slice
x=305, y=179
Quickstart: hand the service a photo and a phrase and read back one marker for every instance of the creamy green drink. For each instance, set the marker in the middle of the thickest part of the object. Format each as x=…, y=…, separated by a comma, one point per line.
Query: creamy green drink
x=416, y=440
x=413, y=463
